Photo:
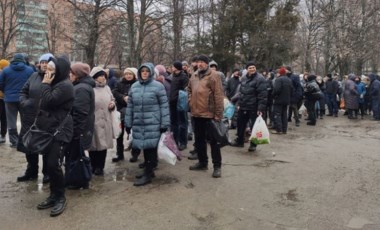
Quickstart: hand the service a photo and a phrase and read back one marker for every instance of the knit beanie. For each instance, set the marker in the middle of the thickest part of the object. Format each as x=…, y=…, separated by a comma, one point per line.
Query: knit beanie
x=45, y=57
x=3, y=63
x=250, y=64
x=161, y=69
x=203, y=58
x=18, y=58
x=177, y=65
x=80, y=69
x=185, y=63
x=282, y=71
x=131, y=70
x=213, y=63
x=97, y=72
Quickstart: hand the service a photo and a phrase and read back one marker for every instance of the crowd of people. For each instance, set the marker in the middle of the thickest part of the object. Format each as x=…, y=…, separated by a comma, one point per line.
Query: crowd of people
x=77, y=102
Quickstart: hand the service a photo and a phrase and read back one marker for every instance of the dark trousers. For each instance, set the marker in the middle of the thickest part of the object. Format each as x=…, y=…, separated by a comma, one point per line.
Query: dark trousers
x=57, y=183
x=3, y=119
x=150, y=159
x=332, y=104
x=98, y=159
x=376, y=109
x=32, y=168
x=200, y=132
x=310, y=107
x=280, y=117
x=179, y=123
x=244, y=116
x=120, y=141
x=293, y=109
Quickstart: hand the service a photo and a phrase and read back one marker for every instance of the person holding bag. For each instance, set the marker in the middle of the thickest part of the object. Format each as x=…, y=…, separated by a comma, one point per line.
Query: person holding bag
x=148, y=115
x=57, y=96
x=29, y=100
x=83, y=113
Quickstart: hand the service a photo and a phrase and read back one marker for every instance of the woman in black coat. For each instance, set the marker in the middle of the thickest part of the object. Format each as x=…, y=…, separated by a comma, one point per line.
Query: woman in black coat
x=29, y=99
x=83, y=116
x=57, y=95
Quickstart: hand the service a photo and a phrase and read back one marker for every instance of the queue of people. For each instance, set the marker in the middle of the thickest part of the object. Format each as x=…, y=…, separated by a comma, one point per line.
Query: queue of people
x=80, y=101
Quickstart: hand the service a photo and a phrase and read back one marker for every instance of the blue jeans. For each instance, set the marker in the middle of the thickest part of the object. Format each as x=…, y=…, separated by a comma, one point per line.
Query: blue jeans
x=12, y=109
x=332, y=104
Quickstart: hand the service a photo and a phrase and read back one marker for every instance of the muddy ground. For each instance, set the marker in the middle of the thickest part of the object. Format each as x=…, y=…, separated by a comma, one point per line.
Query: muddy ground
x=323, y=177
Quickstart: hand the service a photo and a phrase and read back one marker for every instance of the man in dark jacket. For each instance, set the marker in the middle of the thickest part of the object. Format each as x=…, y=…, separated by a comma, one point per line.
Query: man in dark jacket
x=178, y=119
x=282, y=91
x=29, y=101
x=252, y=102
x=374, y=92
x=296, y=96
x=233, y=84
x=12, y=79
x=312, y=94
x=332, y=90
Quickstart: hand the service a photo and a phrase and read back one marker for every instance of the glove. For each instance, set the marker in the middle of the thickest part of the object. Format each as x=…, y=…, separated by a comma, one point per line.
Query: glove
x=361, y=96
x=162, y=130
x=128, y=130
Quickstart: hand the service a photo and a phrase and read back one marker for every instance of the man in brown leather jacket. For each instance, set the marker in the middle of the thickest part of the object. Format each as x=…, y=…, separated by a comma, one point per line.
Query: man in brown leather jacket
x=206, y=102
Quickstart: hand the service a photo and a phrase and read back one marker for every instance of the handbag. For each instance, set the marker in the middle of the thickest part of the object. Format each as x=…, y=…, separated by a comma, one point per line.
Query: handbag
x=79, y=171
x=218, y=130
x=116, y=124
x=182, y=103
x=36, y=140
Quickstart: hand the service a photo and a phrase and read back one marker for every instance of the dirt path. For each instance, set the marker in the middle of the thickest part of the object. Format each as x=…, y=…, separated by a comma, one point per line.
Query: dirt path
x=323, y=177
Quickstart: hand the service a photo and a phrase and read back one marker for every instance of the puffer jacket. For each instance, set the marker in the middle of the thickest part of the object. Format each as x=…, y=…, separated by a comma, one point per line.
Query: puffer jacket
x=206, y=95
x=282, y=90
x=311, y=88
x=119, y=92
x=350, y=93
x=83, y=110
x=253, y=93
x=147, y=111
x=374, y=88
x=56, y=103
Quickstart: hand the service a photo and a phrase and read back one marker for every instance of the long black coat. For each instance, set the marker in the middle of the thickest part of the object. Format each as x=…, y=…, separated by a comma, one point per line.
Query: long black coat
x=83, y=111
x=57, y=102
x=29, y=98
x=119, y=92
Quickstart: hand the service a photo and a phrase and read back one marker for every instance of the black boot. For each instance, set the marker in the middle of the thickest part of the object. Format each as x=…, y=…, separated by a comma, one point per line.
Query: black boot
x=48, y=203
x=31, y=172
x=59, y=207
x=13, y=137
x=120, y=157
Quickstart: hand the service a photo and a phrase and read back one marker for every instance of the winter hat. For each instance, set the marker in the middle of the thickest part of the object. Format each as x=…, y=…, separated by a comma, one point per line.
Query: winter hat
x=250, y=64
x=203, y=58
x=329, y=75
x=3, y=63
x=185, y=63
x=288, y=68
x=45, y=57
x=282, y=71
x=18, y=58
x=97, y=72
x=161, y=69
x=51, y=64
x=177, y=65
x=131, y=70
x=80, y=69
x=213, y=63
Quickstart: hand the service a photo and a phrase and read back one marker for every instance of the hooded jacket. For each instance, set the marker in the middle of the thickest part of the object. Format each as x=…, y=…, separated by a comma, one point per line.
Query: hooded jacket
x=13, y=78
x=179, y=82
x=374, y=88
x=147, y=111
x=56, y=103
x=351, y=93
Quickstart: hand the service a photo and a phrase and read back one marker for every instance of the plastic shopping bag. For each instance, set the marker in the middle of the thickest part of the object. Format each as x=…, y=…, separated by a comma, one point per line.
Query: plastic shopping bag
x=229, y=110
x=170, y=143
x=260, y=132
x=116, y=124
x=164, y=152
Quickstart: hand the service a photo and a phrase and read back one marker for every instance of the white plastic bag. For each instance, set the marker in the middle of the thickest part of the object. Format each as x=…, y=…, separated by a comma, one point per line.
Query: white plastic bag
x=116, y=123
x=164, y=152
x=260, y=132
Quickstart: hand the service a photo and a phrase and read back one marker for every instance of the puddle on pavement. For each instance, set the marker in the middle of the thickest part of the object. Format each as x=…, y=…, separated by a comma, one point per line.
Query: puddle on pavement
x=35, y=188
x=124, y=174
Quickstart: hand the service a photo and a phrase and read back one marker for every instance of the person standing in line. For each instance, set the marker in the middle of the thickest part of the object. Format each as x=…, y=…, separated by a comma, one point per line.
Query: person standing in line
x=206, y=95
x=30, y=97
x=178, y=119
x=3, y=117
x=312, y=94
x=282, y=91
x=253, y=96
x=147, y=115
x=12, y=79
x=57, y=96
x=102, y=138
x=83, y=114
x=121, y=97
x=332, y=91
x=360, y=87
x=374, y=93
x=296, y=96
x=351, y=102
